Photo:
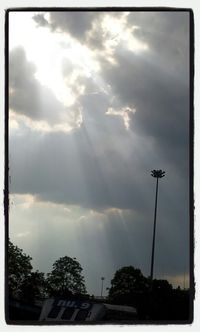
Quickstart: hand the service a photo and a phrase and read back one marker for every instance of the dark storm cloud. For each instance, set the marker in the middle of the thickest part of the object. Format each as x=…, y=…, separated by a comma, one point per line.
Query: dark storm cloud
x=27, y=96
x=157, y=84
x=167, y=33
x=161, y=102
x=75, y=23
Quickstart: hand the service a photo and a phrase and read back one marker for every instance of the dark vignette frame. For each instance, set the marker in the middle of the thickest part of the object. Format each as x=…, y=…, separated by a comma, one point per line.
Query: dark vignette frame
x=190, y=161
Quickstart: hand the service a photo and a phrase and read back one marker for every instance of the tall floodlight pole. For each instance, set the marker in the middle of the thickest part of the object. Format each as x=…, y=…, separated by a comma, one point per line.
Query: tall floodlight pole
x=102, y=279
x=156, y=174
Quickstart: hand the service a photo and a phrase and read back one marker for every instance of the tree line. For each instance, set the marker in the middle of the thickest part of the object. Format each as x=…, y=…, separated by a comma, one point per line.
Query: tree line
x=154, y=300
x=25, y=284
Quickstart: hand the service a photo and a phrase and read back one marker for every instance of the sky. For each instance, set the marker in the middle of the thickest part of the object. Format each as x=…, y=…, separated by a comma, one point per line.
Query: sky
x=96, y=101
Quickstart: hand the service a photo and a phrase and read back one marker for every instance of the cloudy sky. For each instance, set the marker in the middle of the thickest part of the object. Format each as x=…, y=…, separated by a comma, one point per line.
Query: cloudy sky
x=96, y=101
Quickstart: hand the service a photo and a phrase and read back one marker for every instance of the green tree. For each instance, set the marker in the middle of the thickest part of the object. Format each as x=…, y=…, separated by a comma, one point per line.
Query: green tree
x=66, y=278
x=127, y=281
x=19, y=268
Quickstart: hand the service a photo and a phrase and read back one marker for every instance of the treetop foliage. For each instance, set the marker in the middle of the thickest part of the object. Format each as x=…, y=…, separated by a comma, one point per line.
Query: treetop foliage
x=19, y=268
x=66, y=277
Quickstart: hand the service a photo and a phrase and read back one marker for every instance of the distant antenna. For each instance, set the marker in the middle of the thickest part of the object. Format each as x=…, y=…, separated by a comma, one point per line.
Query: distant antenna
x=102, y=280
x=184, y=281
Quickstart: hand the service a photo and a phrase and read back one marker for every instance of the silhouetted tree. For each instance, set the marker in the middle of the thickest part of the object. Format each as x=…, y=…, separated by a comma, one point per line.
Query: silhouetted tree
x=126, y=281
x=154, y=300
x=19, y=268
x=161, y=286
x=66, y=278
x=33, y=287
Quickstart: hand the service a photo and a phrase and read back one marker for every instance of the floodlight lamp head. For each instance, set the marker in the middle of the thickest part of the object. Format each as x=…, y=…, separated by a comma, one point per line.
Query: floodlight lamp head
x=158, y=173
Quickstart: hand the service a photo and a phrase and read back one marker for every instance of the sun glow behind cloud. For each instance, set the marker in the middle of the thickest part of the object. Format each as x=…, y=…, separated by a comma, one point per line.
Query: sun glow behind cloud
x=44, y=50
x=43, y=126
x=49, y=51
x=117, y=32
x=124, y=113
